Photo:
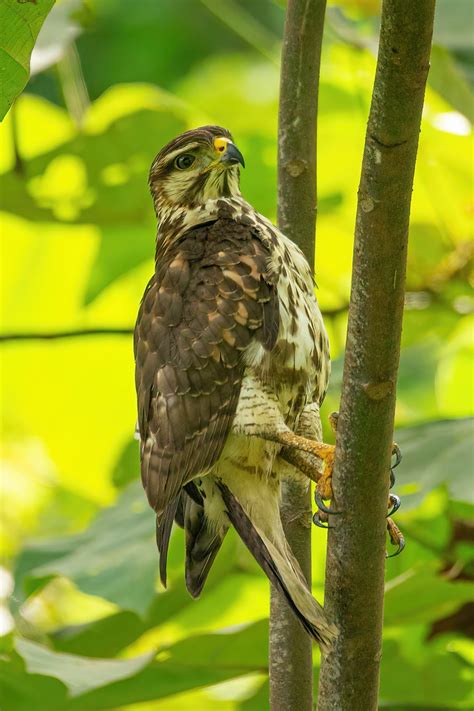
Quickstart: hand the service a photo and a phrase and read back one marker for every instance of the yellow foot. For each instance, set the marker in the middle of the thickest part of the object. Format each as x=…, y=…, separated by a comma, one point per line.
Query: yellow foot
x=295, y=449
x=294, y=445
x=324, y=492
x=396, y=537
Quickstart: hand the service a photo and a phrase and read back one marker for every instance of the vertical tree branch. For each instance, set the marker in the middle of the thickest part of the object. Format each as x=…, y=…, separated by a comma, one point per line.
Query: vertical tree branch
x=356, y=548
x=291, y=672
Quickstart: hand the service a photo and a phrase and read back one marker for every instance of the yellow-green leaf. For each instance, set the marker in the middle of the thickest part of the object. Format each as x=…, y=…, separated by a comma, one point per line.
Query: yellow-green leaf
x=20, y=23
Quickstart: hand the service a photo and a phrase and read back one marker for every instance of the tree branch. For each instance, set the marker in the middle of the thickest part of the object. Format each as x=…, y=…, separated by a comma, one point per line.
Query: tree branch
x=356, y=548
x=55, y=335
x=291, y=669
x=106, y=331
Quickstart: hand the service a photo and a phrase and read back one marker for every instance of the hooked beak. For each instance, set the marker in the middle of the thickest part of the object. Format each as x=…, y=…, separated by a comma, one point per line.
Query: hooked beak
x=232, y=155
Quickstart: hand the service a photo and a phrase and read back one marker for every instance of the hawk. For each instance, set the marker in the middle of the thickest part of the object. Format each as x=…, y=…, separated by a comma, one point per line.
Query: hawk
x=232, y=364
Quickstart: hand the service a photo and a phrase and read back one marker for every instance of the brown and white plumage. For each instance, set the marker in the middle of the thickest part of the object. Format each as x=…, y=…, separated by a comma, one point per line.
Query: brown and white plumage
x=230, y=352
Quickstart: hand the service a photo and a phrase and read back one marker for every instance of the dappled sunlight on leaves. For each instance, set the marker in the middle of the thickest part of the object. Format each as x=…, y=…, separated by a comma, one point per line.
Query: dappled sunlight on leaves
x=63, y=188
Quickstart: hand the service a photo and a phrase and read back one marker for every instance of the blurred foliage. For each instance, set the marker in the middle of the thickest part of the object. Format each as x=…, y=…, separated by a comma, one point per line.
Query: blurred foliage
x=88, y=626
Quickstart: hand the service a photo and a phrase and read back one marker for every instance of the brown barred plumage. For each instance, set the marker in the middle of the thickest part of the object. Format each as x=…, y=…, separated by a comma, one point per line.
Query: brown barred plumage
x=210, y=296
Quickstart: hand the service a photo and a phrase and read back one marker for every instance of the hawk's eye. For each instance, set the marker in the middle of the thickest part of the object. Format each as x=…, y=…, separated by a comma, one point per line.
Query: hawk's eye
x=184, y=161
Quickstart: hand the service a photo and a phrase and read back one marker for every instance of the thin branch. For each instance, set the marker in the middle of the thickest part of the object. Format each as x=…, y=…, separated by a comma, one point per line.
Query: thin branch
x=356, y=547
x=73, y=85
x=56, y=335
x=291, y=668
x=246, y=26
x=119, y=331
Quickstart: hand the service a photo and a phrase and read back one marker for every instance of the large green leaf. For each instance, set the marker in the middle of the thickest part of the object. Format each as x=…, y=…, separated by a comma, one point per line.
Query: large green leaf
x=79, y=674
x=20, y=691
x=121, y=249
x=105, y=637
x=407, y=668
x=446, y=76
x=453, y=24
x=110, y=635
x=419, y=596
x=423, y=677
x=436, y=453
x=20, y=23
x=127, y=466
x=109, y=683
x=115, y=558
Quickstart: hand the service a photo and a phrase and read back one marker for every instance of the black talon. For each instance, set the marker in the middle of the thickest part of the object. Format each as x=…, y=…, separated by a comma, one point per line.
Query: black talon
x=398, y=455
x=317, y=521
x=321, y=505
x=392, y=479
x=396, y=503
x=398, y=458
x=401, y=546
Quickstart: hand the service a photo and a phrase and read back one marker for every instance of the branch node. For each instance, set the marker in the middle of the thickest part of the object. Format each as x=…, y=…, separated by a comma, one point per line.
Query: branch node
x=378, y=391
x=367, y=203
x=295, y=167
x=381, y=143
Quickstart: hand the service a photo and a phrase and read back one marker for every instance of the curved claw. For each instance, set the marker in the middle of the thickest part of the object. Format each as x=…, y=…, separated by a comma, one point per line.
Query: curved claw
x=396, y=451
x=401, y=546
x=321, y=505
x=395, y=502
x=317, y=521
x=398, y=458
x=392, y=479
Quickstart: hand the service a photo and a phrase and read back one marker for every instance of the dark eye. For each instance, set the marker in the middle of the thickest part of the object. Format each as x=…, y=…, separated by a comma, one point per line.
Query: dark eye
x=184, y=161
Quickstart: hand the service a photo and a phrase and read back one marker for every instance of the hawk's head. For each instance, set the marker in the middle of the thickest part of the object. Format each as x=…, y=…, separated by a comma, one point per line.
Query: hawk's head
x=197, y=166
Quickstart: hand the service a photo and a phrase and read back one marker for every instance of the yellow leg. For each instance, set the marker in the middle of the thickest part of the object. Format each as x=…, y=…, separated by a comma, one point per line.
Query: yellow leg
x=293, y=448
x=396, y=537
x=321, y=450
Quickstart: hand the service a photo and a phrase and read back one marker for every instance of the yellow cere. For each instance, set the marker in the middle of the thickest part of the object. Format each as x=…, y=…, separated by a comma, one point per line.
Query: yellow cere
x=220, y=144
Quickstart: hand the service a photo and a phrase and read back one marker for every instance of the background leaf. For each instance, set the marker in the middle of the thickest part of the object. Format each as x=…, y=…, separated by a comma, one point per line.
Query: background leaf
x=21, y=23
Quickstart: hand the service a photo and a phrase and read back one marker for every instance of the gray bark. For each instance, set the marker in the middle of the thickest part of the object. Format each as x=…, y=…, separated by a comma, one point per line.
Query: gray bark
x=349, y=677
x=290, y=662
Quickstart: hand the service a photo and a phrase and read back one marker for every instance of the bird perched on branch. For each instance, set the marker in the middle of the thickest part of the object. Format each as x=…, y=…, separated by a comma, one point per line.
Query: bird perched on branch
x=232, y=364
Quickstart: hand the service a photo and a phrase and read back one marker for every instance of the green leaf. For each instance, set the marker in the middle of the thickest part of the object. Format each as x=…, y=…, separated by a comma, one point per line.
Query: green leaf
x=102, y=638
x=453, y=24
x=106, y=684
x=121, y=249
x=195, y=662
x=447, y=78
x=20, y=23
x=421, y=596
x=259, y=701
x=127, y=467
x=424, y=678
x=78, y=674
x=115, y=558
x=436, y=453
x=20, y=691
x=244, y=649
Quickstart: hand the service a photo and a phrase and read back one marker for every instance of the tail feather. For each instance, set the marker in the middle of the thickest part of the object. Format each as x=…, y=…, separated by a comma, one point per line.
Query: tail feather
x=202, y=539
x=202, y=544
x=283, y=571
x=164, y=524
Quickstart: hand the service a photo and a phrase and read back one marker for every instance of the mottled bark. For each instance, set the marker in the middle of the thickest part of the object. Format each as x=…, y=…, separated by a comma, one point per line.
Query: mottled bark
x=349, y=677
x=291, y=673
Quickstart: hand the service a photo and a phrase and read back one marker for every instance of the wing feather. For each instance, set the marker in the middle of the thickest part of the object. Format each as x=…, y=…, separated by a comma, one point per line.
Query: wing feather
x=211, y=297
